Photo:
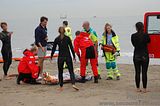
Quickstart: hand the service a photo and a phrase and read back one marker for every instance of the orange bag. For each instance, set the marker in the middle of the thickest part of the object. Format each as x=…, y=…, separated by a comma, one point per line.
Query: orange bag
x=108, y=48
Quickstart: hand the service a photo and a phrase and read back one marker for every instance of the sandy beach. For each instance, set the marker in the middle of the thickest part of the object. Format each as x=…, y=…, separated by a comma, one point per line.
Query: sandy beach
x=105, y=93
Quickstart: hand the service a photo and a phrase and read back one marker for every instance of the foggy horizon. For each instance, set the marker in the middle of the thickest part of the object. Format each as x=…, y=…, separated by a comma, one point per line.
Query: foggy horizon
x=18, y=9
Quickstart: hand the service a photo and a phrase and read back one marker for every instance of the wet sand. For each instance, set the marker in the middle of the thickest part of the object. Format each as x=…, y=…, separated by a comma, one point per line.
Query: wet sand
x=105, y=93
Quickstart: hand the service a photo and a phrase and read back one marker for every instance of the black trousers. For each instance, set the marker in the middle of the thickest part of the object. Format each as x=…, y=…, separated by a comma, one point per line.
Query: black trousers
x=7, y=58
x=69, y=63
x=27, y=78
x=141, y=66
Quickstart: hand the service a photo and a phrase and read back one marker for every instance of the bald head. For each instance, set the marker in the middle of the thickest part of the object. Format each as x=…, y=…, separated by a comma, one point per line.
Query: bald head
x=86, y=25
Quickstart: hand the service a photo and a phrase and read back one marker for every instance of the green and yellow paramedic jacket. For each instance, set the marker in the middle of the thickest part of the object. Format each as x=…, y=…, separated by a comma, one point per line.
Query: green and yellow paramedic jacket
x=115, y=41
x=68, y=32
x=93, y=35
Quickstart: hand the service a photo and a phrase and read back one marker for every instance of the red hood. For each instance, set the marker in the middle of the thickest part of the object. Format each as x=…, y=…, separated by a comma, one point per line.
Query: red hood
x=81, y=36
x=82, y=41
x=84, y=34
x=28, y=53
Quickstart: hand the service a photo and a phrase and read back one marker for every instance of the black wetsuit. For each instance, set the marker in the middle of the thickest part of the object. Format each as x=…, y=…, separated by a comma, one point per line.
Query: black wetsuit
x=65, y=45
x=6, y=50
x=141, y=57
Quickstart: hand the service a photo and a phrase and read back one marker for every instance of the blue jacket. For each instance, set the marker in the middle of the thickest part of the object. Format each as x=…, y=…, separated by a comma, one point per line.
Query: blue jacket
x=40, y=36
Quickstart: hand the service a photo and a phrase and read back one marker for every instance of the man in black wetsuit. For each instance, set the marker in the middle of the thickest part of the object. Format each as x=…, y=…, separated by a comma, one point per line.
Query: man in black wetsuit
x=6, y=51
x=65, y=45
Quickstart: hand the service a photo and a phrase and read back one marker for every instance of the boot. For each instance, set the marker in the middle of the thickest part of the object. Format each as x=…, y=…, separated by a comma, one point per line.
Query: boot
x=96, y=79
x=109, y=78
x=118, y=77
x=99, y=76
x=83, y=80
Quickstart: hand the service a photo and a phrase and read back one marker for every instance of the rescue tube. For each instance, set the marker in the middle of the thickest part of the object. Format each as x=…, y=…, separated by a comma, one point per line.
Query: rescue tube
x=47, y=57
x=108, y=48
x=1, y=60
x=19, y=58
x=13, y=75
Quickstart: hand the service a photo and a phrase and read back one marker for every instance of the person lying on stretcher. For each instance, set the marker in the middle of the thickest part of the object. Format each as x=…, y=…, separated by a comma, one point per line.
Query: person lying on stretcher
x=53, y=79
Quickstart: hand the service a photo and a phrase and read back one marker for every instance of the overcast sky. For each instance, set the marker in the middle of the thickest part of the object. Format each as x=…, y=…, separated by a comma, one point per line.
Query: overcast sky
x=75, y=8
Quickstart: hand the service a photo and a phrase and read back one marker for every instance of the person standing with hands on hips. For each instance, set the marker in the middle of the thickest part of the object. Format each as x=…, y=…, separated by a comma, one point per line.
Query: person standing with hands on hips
x=65, y=45
x=41, y=39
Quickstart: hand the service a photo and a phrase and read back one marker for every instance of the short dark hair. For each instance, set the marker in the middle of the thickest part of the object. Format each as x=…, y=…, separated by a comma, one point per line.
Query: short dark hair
x=77, y=33
x=43, y=18
x=65, y=23
x=3, y=23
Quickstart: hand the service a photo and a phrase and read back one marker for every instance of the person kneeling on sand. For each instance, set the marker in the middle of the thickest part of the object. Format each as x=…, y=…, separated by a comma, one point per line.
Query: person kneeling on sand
x=27, y=68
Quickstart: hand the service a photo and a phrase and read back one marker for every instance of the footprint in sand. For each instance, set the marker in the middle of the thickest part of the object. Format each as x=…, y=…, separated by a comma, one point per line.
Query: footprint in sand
x=21, y=103
x=40, y=91
x=6, y=87
x=51, y=104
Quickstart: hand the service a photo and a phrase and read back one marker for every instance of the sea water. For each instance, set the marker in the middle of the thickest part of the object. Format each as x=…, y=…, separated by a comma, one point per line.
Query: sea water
x=124, y=26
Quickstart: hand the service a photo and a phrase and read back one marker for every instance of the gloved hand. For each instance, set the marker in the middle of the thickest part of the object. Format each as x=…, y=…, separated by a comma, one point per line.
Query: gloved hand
x=116, y=54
